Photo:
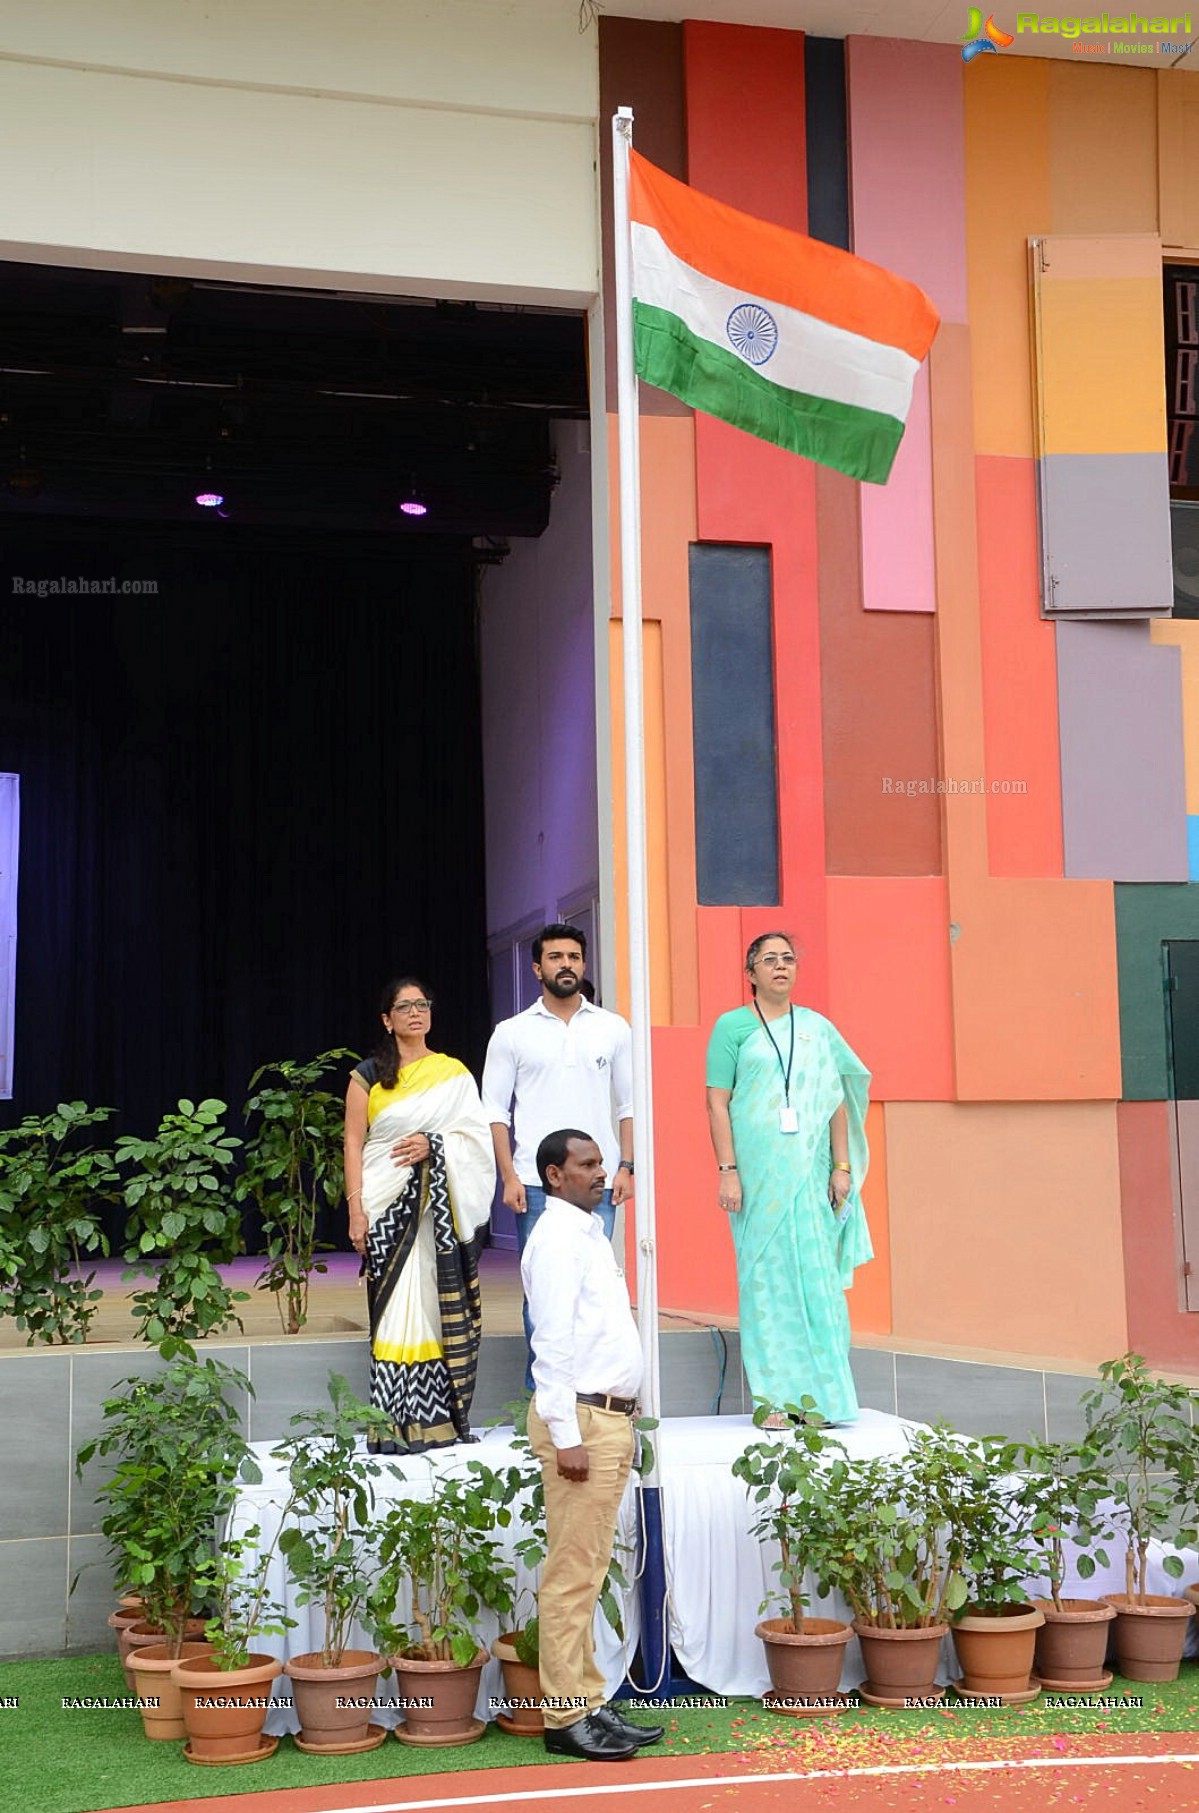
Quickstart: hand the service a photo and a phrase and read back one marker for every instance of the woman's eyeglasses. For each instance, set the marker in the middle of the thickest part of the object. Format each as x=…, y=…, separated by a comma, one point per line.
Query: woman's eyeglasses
x=778, y=960
x=412, y=1007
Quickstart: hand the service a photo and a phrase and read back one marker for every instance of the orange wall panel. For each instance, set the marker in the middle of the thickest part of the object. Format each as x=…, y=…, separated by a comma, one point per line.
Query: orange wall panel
x=696, y=1266
x=1158, y=1327
x=1102, y=147
x=870, y=1298
x=1019, y=675
x=657, y=816
x=888, y=946
x=878, y=709
x=1007, y=199
x=1005, y=1227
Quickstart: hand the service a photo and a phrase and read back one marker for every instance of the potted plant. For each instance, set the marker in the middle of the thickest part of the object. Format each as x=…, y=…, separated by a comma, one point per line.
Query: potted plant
x=995, y=1630
x=183, y=1221
x=1059, y=1492
x=226, y=1693
x=179, y=1450
x=794, y=1484
x=900, y=1567
x=292, y=1168
x=1140, y=1429
x=52, y=1185
x=330, y=1553
x=441, y=1565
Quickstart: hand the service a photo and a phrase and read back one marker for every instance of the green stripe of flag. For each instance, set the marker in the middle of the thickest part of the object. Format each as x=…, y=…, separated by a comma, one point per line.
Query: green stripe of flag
x=859, y=442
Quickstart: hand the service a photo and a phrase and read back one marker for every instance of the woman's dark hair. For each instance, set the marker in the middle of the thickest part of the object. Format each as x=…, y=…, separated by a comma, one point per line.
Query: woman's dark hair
x=756, y=945
x=548, y=933
x=386, y=1053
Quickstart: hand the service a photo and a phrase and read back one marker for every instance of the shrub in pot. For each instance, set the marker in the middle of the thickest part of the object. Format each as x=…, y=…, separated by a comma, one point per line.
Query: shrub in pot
x=292, y=1168
x=1059, y=1492
x=179, y=1452
x=441, y=1566
x=901, y=1566
x=225, y=1693
x=995, y=1631
x=183, y=1223
x=794, y=1484
x=1139, y=1428
x=330, y=1553
x=53, y=1183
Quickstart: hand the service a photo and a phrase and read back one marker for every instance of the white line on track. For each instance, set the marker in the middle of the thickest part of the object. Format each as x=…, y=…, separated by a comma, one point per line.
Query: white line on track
x=667, y=1785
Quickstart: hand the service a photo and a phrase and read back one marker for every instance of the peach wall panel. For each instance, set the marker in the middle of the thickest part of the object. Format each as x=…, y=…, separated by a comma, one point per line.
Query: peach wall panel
x=1183, y=633
x=657, y=823
x=1158, y=1326
x=870, y=1298
x=1019, y=675
x=1005, y=1227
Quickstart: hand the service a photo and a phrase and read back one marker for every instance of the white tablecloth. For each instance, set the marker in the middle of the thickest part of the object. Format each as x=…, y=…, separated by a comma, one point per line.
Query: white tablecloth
x=717, y=1574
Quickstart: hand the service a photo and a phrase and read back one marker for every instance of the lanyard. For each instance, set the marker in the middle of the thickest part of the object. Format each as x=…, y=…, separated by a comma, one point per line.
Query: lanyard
x=778, y=1054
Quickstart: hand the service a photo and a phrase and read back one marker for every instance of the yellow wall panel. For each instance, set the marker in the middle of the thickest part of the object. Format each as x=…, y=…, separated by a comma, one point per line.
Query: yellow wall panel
x=1007, y=199
x=661, y=999
x=1103, y=365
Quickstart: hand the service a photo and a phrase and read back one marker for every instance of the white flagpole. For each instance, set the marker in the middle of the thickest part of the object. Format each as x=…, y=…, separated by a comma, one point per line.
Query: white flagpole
x=634, y=776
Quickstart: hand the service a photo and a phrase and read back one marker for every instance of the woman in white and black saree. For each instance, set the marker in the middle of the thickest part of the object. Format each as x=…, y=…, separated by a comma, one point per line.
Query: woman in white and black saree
x=420, y=1176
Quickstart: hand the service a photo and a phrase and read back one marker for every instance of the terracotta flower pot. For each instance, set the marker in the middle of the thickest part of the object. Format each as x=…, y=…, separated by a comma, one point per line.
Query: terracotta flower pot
x=324, y=1725
x=140, y=1635
x=804, y=1669
x=151, y=1668
x=230, y=1729
x=900, y=1665
x=1150, y=1636
x=995, y=1650
x=1072, y=1643
x=522, y=1688
x=453, y=1691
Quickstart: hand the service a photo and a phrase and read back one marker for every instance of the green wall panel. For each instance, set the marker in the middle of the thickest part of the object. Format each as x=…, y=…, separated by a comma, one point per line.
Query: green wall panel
x=1147, y=914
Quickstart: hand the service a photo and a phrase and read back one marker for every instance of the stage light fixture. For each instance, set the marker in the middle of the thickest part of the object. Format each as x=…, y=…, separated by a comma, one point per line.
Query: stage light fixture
x=413, y=502
x=210, y=500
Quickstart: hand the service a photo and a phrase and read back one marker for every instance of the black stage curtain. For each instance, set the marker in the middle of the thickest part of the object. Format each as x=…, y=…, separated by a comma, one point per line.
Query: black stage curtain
x=245, y=803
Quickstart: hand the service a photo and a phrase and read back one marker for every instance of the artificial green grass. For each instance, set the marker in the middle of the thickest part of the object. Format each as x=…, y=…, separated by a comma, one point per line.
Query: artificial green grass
x=58, y=1761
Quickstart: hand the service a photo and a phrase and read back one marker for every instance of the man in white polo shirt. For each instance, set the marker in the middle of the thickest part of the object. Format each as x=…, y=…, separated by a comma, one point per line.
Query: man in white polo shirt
x=561, y=1063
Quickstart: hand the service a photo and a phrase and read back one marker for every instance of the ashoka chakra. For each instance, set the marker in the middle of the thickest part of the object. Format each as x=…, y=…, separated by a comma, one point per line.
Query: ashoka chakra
x=752, y=332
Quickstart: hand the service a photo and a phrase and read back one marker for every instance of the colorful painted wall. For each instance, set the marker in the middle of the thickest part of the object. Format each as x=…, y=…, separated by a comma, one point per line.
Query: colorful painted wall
x=990, y=945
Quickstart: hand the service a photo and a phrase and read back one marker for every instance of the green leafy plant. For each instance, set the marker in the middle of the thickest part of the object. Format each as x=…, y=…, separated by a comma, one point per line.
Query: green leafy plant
x=179, y=1453
x=237, y=1581
x=1140, y=1431
x=1058, y=1492
x=331, y=1548
x=292, y=1167
x=183, y=1222
x=992, y=1541
x=442, y=1555
x=52, y=1185
x=794, y=1486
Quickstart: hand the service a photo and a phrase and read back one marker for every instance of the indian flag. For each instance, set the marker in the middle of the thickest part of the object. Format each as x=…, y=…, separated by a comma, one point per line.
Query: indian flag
x=793, y=340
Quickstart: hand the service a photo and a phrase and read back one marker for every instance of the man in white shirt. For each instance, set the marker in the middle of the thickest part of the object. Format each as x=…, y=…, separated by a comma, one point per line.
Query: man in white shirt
x=587, y=1373
x=561, y=1063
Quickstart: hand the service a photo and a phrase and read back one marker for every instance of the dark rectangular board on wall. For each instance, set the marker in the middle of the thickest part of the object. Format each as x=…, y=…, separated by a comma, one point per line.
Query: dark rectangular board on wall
x=827, y=140
x=732, y=685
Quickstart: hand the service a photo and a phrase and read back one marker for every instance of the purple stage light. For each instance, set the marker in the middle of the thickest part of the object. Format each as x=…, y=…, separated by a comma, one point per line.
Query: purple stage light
x=210, y=500
x=412, y=506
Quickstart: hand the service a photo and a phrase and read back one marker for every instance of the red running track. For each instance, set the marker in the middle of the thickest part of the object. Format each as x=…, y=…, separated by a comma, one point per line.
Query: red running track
x=1122, y=1773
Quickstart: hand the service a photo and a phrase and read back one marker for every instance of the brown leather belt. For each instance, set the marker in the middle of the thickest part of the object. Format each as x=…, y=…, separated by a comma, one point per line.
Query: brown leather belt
x=626, y=1406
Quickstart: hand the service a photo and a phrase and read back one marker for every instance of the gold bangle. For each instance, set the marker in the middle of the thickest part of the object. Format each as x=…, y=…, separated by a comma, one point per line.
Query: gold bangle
x=842, y=1166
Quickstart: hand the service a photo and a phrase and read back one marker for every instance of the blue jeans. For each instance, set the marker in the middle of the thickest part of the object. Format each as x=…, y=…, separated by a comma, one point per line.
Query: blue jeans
x=534, y=1204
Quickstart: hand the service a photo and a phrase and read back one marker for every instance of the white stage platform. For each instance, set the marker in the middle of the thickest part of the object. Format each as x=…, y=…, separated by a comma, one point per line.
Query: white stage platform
x=717, y=1575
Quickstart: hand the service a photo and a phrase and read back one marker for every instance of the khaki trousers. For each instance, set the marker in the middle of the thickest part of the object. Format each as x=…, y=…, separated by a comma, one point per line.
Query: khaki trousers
x=580, y=1517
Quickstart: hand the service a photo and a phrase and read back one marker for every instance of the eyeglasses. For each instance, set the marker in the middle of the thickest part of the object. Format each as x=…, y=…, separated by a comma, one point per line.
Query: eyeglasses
x=778, y=960
x=411, y=1007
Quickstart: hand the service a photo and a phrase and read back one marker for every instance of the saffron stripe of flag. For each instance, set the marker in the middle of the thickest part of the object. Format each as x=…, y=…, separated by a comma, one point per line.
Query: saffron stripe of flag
x=793, y=340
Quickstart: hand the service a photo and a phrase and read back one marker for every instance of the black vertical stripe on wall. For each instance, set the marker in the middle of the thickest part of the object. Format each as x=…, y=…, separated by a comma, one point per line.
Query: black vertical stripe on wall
x=827, y=140
x=732, y=686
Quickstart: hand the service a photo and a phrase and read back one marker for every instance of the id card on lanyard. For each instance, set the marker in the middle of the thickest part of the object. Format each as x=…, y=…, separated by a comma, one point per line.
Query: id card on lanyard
x=788, y=1116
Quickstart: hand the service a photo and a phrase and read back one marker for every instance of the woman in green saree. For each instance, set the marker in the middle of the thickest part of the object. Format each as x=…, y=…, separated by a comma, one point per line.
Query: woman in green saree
x=787, y=1112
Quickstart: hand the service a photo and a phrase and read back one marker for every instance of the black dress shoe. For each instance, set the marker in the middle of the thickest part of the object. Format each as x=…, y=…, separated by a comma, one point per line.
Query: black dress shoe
x=636, y=1734
x=591, y=1739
